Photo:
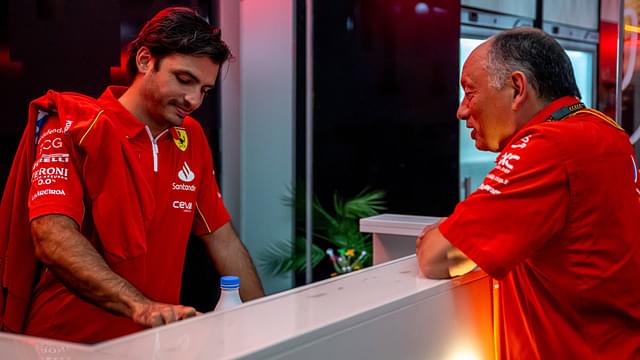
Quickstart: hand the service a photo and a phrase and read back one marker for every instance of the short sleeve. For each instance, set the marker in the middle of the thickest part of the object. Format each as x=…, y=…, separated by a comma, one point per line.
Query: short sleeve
x=211, y=212
x=56, y=187
x=521, y=204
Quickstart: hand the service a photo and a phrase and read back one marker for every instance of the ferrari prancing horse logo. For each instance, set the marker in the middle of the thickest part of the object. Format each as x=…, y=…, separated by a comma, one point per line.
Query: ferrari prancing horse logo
x=180, y=138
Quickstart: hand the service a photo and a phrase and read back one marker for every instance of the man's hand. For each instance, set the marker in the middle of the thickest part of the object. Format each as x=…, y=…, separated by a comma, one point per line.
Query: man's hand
x=431, y=251
x=152, y=314
x=424, y=232
x=437, y=258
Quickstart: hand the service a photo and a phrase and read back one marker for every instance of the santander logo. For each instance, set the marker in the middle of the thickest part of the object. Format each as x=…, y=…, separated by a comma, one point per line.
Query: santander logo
x=186, y=174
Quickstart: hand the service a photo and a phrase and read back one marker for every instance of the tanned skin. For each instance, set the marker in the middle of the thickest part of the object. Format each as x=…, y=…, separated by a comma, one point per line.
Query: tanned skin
x=77, y=264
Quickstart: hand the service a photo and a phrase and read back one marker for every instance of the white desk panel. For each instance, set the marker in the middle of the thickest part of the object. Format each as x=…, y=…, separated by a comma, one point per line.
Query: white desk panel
x=20, y=347
x=394, y=236
x=395, y=224
x=323, y=320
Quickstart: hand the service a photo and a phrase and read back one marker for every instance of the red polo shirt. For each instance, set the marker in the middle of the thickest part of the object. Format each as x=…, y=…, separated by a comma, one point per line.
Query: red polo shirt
x=558, y=222
x=176, y=192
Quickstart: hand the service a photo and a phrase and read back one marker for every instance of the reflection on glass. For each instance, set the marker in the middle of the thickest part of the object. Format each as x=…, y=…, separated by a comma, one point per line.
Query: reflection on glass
x=582, y=62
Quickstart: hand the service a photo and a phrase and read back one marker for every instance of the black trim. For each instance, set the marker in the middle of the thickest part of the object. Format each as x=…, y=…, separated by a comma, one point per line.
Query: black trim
x=539, y=20
x=566, y=111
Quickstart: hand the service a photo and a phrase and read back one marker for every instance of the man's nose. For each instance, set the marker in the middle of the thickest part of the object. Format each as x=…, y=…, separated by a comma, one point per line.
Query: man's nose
x=463, y=111
x=193, y=100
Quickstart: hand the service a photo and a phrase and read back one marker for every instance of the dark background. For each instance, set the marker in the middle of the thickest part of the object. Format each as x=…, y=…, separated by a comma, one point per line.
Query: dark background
x=386, y=93
x=385, y=96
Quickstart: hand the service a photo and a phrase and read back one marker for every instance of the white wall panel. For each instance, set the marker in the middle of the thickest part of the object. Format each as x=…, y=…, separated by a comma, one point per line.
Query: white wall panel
x=257, y=124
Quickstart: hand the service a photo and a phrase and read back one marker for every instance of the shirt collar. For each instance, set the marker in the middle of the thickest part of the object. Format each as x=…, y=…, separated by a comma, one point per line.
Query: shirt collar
x=544, y=114
x=109, y=99
x=131, y=124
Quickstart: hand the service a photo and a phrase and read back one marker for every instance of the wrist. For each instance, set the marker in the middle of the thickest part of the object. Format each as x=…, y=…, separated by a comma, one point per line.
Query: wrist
x=134, y=302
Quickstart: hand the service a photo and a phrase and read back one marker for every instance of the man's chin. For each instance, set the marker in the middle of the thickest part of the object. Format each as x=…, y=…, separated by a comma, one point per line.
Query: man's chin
x=176, y=121
x=485, y=147
x=480, y=145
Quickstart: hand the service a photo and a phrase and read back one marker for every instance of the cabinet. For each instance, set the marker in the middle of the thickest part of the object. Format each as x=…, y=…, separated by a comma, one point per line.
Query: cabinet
x=579, y=13
x=526, y=8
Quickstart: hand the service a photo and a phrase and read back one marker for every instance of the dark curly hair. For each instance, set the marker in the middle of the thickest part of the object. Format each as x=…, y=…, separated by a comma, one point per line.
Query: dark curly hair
x=178, y=30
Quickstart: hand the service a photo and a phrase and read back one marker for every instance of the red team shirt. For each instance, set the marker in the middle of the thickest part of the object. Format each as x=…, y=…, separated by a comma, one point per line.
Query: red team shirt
x=182, y=197
x=557, y=221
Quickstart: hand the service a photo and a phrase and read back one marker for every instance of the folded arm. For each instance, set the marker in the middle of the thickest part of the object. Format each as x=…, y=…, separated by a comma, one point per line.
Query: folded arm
x=231, y=257
x=76, y=263
x=437, y=258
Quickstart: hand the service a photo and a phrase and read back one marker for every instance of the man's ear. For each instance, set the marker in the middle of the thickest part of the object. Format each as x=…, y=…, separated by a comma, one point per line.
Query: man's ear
x=144, y=60
x=520, y=89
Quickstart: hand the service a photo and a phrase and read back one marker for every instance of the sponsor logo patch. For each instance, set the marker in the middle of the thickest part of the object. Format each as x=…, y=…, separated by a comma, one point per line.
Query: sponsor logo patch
x=497, y=179
x=48, y=192
x=488, y=188
x=186, y=206
x=51, y=143
x=183, y=187
x=49, y=175
x=52, y=158
x=522, y=143
x=67, y=125
x=504, y=163
x=51, y=131
x=186, y=174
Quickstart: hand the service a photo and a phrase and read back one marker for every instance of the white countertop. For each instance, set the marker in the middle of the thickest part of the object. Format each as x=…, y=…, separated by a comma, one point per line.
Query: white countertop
x=261, y=326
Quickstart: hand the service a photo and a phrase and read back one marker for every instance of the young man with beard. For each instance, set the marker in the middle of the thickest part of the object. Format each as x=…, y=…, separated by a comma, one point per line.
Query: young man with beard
x=114, y=188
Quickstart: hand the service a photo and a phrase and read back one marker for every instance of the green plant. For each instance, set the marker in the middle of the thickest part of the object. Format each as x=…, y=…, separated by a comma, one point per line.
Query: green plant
x=332, y=228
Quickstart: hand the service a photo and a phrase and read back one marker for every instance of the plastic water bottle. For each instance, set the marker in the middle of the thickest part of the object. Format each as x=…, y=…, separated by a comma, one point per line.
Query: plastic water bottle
x=229, y=293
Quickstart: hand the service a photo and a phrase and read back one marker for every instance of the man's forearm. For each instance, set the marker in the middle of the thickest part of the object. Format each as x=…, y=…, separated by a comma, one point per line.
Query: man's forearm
x=242, y=266
x=437, y=258
x=77, y=264
x=231, y=257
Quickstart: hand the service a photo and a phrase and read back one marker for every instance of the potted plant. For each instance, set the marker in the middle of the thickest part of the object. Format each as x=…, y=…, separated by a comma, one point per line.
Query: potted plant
x=336, y=235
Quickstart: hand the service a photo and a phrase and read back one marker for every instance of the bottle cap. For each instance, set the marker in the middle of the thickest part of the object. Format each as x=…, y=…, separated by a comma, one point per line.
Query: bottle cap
x=230, y=282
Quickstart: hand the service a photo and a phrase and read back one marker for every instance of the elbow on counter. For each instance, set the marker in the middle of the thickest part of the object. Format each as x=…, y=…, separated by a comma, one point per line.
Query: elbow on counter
x=432, y=267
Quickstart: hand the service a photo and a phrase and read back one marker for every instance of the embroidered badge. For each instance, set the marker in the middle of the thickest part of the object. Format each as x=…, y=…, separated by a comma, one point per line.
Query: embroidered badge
x=180, y=138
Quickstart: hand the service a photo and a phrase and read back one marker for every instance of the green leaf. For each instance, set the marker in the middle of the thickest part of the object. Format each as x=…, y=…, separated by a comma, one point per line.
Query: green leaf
x=365, y=204
x=338, y=226
x=278, y=258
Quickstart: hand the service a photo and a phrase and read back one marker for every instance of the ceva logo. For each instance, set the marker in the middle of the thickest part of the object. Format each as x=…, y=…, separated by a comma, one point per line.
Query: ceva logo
x=186, y=174
x=184, y=205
